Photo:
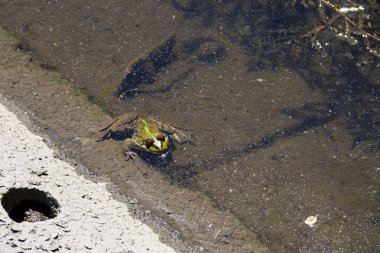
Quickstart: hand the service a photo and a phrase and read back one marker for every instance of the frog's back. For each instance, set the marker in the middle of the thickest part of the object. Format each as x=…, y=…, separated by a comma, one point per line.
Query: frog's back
x=146, y=127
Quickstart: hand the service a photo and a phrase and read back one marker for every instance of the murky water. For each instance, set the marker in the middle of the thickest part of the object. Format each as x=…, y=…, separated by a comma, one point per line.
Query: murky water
x=280, y=130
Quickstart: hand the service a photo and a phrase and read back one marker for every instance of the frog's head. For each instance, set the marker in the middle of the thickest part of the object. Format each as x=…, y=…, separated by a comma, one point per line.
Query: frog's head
x=156, y=144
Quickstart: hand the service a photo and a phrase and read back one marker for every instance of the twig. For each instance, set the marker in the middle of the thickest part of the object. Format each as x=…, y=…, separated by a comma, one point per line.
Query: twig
x=217, y=233
x=350, y=21
x=321, y=27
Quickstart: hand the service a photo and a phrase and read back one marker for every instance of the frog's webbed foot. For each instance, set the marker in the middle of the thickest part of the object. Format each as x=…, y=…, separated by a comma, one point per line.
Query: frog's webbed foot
x=180, y=137
x=128, y=143
x=129, y=154
x=174, y=133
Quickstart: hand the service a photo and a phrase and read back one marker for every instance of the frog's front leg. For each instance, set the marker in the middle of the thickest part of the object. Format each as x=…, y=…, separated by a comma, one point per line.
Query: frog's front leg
x=128, y=144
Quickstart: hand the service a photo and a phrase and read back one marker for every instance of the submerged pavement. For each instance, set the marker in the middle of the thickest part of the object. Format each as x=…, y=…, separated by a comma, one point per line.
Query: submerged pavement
x=87, y=218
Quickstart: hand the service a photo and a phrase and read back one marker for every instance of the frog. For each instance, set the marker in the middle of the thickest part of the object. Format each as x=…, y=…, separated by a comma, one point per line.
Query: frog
x=144, y=134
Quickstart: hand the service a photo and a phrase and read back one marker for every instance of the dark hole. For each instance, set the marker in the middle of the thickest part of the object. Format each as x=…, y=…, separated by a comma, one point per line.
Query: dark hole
x=31, y=205
x=23, y=47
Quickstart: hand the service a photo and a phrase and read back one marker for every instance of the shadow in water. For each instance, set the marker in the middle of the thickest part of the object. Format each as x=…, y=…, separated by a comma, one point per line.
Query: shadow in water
x=349, y=94
x=356, y=99
x=146, y=69
x=270, y=33
x=160, y=162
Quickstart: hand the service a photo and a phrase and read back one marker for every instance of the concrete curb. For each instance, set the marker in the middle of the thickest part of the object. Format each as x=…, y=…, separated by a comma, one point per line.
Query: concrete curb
x=89, y=220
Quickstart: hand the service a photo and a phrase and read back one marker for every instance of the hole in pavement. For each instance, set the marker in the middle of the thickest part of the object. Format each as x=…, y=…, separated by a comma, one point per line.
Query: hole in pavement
x=23, y=204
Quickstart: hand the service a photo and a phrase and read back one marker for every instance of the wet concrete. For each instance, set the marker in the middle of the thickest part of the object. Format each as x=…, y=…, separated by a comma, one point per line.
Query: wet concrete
x=278, y=129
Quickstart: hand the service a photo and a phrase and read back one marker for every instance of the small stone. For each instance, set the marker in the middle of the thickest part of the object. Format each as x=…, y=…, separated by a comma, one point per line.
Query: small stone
x=311, y=220
x=27, y=247
x=53, y=246
x=34, y=181
x=39, y=171
x=55, y=235
x=15, y=228
x=22, y=239
x=133, y=201
x=89, y=245
x=34, y=216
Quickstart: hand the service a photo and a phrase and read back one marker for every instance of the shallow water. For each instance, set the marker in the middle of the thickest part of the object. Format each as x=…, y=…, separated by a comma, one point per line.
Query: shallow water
x=280, y=130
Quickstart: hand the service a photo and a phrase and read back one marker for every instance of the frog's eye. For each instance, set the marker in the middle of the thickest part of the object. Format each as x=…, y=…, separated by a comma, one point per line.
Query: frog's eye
x=160, y=137
x=148, y=142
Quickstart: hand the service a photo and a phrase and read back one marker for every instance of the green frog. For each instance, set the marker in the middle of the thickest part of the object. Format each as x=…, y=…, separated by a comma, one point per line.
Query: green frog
x=144, y=134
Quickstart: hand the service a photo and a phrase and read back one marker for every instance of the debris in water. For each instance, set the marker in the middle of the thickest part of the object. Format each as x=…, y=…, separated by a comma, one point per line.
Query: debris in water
x=311, y=220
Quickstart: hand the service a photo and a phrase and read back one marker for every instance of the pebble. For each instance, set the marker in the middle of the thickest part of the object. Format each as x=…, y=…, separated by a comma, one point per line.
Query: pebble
x=15, y=228
x=55, y=235
x=53, y=246
x=89, y=245
x=39, y=171
x=34, y=181
x=22, y=239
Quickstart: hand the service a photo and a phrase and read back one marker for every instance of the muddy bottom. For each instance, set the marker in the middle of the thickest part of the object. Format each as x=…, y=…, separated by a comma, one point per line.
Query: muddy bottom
x=279, y=130
x=70, y=123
